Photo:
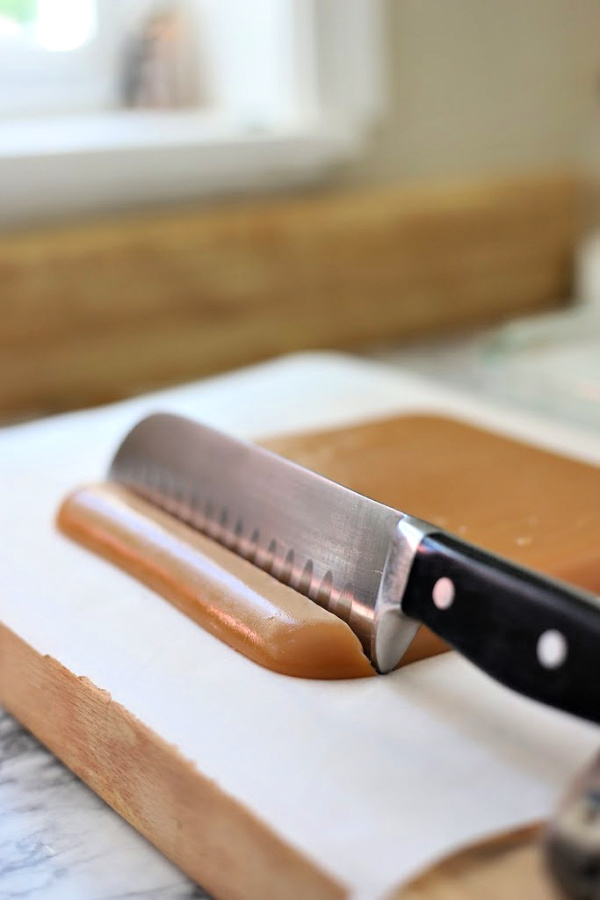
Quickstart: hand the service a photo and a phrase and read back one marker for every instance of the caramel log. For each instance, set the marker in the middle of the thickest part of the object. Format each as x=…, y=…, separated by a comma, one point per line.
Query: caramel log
x=235, y=601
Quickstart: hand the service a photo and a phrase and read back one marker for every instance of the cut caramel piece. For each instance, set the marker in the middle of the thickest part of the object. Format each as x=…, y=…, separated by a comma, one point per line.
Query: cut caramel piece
x=228, y=596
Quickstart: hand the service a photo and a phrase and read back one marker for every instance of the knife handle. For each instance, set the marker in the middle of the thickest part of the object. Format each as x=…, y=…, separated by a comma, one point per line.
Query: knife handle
x=530, y=633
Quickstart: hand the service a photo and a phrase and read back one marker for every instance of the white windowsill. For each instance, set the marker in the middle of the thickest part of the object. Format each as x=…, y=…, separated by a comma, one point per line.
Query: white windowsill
x=101, y=162
x=138, y=129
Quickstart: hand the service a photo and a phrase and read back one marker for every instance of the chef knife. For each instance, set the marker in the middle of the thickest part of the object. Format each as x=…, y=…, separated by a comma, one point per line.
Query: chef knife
x=384, y=572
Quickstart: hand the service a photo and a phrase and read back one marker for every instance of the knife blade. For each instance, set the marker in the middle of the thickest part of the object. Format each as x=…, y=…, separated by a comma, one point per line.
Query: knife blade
x=381, y=570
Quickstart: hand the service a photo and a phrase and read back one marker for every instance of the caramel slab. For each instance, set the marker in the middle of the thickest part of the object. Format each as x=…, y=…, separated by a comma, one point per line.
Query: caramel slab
x=232, y=599
x=540, y=509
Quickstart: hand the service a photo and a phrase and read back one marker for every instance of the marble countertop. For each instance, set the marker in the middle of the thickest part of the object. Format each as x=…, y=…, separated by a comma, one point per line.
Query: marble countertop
x=59, y=841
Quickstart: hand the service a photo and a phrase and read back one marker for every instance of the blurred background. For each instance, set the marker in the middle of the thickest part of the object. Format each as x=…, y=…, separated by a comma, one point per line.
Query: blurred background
x=188, y=186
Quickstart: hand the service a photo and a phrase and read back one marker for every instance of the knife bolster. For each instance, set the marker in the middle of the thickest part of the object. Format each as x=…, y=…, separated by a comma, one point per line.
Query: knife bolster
x=392, y=630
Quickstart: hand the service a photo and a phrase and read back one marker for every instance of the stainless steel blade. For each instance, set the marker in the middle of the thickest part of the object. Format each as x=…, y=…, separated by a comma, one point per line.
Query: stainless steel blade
x=325, y=541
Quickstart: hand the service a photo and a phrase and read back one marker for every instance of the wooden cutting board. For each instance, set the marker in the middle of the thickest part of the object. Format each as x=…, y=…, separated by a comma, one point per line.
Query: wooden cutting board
x=503, y=867
x=538, y=508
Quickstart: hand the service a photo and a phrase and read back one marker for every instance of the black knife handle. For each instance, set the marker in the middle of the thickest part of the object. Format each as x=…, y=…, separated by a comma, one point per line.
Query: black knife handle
x=532, y=634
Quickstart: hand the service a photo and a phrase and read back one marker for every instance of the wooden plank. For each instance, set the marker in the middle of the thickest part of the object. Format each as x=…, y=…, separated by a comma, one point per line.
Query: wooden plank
x=507, y=865
x=203, y=830
x=99, y=311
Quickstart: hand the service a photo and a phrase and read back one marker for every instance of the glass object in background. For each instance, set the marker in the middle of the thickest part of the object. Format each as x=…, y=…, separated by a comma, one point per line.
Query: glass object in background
x=159, y=61
x=551, y=363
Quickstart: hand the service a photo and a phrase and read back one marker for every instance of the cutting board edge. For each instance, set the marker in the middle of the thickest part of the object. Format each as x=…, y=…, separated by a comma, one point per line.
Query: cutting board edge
x=118, y=756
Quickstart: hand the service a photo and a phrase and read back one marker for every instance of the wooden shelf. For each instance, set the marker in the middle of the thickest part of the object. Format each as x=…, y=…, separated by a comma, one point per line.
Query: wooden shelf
x=95, y=312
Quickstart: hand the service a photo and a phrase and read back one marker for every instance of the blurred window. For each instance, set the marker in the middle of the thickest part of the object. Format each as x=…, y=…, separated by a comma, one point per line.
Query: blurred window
x=74, y=56
x=107, y=103
x=51, y=58
x=51, y=25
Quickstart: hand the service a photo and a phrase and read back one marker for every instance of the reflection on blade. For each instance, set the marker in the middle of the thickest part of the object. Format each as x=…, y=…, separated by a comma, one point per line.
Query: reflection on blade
x=318, y=537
